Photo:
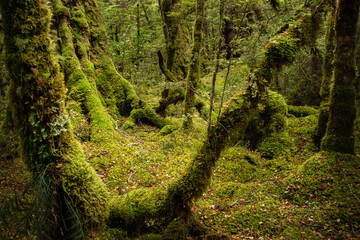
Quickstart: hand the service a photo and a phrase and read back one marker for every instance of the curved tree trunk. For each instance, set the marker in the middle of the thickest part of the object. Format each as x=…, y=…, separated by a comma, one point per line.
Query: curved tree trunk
x=175, y=203
x=69, y=187
x=339, y=135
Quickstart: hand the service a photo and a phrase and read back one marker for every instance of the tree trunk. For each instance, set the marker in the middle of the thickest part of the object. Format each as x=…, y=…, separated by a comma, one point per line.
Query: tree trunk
x=175, y=203
x=70, y=190
x=90, y=75
x=339, y=135
x=193, y=77
x=327, y=75
x=177, y=50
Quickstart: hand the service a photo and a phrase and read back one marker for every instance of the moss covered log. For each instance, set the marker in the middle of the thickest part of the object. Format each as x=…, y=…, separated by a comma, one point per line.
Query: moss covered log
x=339, y=135
x=72, y=190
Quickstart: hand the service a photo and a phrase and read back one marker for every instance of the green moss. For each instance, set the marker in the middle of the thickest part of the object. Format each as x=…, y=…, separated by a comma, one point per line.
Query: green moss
x=132, y=209
x=281, y=50
x=70, y=188
x=262, y=216
x=83, y=90
x=302, y=111
x=168, y=129
x=87, y=191
x=79, y=19
x=180, y=229
x=276, y=145
x=145, y=114
x=60, y=10
x=329, y=180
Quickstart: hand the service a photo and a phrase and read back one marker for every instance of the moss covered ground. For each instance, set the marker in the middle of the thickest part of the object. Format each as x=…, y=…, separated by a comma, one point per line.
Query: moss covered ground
x=303, y=195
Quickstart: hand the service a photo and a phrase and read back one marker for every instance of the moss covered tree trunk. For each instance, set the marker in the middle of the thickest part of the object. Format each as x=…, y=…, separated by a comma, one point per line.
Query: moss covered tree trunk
x=177, y=37
x=175, y=203
x=327, y=74
x=193, y=76
x=73, y=197
x=95, y=87
x=177, y=42
x=339, y=135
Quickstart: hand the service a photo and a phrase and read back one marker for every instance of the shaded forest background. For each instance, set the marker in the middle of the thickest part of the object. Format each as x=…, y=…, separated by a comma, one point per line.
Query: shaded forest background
x=123, y=150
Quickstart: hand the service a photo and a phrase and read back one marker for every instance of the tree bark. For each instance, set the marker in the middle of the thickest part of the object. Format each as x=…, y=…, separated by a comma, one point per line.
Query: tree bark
x=193, y=76
x=339, y=135
x=327, y=74
x=70, y=188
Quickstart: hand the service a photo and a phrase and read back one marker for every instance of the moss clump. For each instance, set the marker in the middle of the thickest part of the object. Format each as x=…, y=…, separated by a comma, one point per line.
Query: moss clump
x=143, y=114
x=132, y=209
x=281, y=50
x=180, y=229
x=59, y=10
x=79, y=19
x=302, y=111
x=276, y=145
x=268, y=128
x=168, y=129
x=270, y=121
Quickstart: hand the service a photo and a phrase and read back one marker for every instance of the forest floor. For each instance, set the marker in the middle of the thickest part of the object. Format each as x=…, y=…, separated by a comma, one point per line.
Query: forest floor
x=304, y=195
x=299, y=194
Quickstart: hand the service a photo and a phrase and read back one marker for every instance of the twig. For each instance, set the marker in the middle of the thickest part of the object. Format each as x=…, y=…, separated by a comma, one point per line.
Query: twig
x=134, y=144
x=233, y=203
x=350, y=188
x=131, y=175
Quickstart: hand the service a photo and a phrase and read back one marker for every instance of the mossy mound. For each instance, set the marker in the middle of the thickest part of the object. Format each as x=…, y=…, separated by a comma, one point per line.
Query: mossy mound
x=276, y=145
x=168, y=129
x=329, y=180
x=267, y=130
x=179, y=229
x=301, y=111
